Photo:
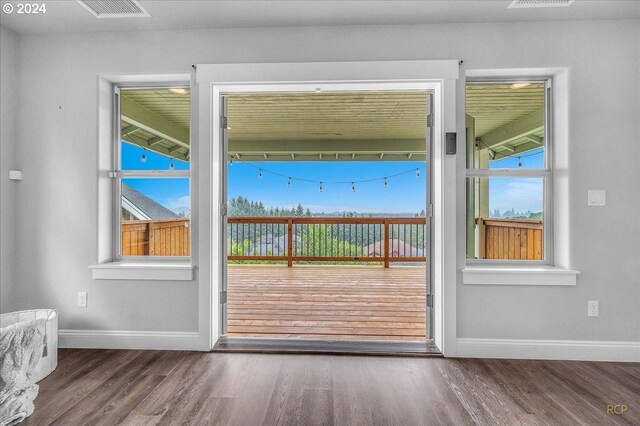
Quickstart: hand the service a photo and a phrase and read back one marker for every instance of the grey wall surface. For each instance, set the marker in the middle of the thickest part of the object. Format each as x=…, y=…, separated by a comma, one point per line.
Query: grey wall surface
x=8, y=143
x=57, y=150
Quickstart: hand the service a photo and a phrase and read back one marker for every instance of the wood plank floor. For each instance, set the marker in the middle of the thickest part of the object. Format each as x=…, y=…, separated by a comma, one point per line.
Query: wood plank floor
x=327, y=302
x=107, y=387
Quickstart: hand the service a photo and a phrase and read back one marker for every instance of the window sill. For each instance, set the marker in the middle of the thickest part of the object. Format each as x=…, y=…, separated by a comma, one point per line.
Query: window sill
x=153, y=271
x=510, y=275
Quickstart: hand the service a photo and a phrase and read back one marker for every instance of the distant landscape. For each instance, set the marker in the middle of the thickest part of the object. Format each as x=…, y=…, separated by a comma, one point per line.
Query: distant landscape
x=243, y=207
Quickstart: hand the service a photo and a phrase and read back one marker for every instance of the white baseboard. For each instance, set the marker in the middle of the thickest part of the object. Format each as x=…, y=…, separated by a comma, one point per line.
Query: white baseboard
x=116, y=339
x=580, y=350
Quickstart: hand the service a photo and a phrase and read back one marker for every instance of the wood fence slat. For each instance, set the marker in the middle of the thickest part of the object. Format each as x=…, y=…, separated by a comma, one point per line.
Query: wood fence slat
x=517, y=239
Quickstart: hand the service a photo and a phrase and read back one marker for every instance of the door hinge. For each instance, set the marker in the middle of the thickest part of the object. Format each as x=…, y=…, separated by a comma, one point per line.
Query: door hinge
x=429, y=120
x=429, y=301
x=223, y=122
x=223, y=297
x=223, y=209
x=429, y=210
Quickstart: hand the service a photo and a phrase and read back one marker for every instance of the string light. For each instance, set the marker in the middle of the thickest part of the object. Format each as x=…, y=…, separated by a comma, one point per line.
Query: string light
x=321, y=187
x=353, y=183
x=495, y=157
x=519, y=162
x=230, y=162
x=143, y=157
x=171, y=166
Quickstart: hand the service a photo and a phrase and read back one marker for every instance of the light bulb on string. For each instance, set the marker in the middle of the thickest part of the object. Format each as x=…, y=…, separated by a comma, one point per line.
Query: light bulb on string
x=321, y=188
x=386, y=184
x=260, y=174
x=417, y=173
x=289, y=183
x=353, y=187
x=143, y=157
x=230, y=162
x=519, y=162
x=171, y=166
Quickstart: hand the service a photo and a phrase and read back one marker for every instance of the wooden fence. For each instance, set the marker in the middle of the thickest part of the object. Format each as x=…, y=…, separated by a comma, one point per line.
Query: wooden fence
x=170, y=237
x=308, y=239
x=517, y=239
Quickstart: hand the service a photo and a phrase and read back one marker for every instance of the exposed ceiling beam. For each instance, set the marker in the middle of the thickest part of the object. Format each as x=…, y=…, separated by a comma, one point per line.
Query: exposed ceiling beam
x=328, y=147
x=141, y=142
x=533, y=138
x=155, y=140
x=139, y=116
x=314, y=157
x=515, y=130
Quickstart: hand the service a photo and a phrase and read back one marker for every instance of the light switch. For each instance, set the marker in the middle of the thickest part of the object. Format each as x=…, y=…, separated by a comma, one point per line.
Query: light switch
x=596, y=197
x=15, y=174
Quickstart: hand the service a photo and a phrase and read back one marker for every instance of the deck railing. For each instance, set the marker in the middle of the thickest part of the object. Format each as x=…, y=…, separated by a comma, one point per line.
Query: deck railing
x=311, y=239
x=170, y=237
x=516, y=239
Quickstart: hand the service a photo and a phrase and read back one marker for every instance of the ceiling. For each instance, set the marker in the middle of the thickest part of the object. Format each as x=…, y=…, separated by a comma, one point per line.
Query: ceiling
x=338, y=126
x=71, y=17
x=157, y=120
x=507, y=118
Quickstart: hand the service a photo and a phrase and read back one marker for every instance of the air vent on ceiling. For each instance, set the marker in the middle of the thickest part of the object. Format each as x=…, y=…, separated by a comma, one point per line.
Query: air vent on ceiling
x=115, y=8
x=522, y=4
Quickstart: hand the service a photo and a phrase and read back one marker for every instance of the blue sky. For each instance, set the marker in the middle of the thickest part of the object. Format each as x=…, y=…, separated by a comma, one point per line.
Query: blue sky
x=521, y=194
x=170, y=192
x=405, y=194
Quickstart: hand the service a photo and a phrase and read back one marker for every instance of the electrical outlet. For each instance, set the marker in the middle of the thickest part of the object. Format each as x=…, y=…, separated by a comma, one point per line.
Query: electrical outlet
x=82, y=299
x=593, y=309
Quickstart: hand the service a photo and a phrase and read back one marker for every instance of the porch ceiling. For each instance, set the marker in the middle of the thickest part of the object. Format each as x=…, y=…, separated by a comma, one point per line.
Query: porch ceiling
x=157, y=119
x=508, y=120
x=365, y=126
x=362, y=126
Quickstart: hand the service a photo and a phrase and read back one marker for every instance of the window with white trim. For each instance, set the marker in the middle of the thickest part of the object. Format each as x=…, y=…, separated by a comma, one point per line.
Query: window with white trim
x=152, y=172
x=509, y=172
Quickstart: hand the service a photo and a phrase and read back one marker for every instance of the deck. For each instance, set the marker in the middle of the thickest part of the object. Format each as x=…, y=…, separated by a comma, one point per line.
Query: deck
x=327, y=302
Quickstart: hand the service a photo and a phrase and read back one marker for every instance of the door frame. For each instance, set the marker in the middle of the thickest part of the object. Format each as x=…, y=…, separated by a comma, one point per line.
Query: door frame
x=220, y=96
x=438, y=77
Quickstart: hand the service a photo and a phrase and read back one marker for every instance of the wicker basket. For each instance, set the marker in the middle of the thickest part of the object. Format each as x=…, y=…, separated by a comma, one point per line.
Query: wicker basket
x=49, y=360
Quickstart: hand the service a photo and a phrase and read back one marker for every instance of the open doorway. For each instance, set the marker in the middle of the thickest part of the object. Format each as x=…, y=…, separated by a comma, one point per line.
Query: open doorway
x=327, y=231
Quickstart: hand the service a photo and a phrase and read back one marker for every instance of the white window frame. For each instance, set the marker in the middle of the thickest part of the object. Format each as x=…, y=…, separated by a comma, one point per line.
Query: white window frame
x=546, y=174
x=118, y=174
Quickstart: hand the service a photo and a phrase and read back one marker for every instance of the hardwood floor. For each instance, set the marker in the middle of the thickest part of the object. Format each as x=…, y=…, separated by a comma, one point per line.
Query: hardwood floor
x=327, y=302
x=106, y=387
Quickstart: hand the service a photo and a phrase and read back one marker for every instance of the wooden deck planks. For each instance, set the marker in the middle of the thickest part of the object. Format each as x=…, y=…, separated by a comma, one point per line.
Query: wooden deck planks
x=327, y=302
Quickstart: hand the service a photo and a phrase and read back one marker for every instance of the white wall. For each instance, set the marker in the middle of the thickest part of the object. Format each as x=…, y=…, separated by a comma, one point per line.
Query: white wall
x=8, y=135
x=57, y=150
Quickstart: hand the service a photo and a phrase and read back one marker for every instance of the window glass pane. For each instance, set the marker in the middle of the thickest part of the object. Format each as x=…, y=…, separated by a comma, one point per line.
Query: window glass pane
x=505, y=218
x=154, y=129
x=505, y=125
x=155, y=217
